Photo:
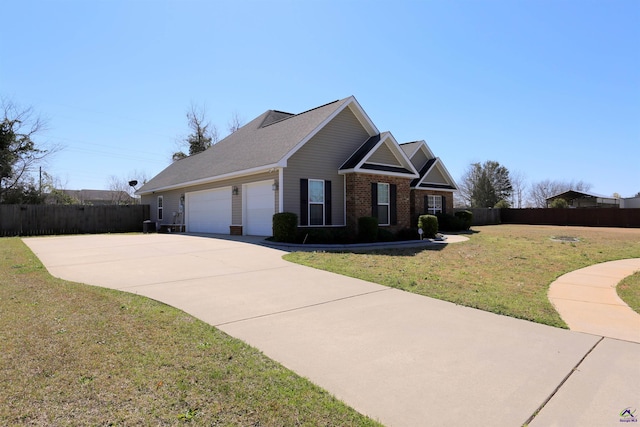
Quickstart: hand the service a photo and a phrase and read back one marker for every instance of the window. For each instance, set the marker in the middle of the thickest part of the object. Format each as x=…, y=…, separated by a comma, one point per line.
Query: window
x=383, y=204
x=160, y=208
x=434, y=204
x=316, y=202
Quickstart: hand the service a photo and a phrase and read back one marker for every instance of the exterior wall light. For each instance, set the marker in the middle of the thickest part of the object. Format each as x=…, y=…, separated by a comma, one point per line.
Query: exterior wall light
x=234, y=190
x=274, y=186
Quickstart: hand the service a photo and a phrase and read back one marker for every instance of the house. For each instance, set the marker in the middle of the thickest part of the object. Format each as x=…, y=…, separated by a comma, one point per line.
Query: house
x=329, y=165
x=581, y=199
x=630, y=202
x=93, y=197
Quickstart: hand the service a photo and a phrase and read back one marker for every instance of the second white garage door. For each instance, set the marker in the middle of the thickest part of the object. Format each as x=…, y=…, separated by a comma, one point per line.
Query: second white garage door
x=259, y=205
x=209, y=211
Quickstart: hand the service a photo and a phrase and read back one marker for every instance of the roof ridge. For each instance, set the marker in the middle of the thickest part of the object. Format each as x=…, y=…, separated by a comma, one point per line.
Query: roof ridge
x=299, y=114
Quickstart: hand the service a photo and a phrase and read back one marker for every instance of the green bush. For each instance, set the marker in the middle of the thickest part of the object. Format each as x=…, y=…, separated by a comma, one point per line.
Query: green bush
x=429, y=225
x=502, y=204
x=465, y=217
x=339, y=235
x=407, y=234
x=285, y=226
x=559, y=204
x=367, y=229
x=385, y=235
x=448, y=222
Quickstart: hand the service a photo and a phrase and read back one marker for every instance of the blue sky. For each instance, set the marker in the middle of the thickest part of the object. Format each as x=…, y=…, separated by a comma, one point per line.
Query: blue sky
x=548, y=88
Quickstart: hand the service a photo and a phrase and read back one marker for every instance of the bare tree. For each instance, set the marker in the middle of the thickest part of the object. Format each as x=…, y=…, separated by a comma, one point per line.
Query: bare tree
x=234, y=123
x=542, y=190
x=123, y=189
x=19, y=154
x=519, y=184
x=203, y=134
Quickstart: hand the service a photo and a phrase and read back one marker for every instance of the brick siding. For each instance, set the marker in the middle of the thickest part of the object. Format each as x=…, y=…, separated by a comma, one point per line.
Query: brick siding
x=358, y=199
x=417, y=203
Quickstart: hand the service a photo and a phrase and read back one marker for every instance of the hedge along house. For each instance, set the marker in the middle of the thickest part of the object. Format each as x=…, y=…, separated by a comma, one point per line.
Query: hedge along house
x=329, y=165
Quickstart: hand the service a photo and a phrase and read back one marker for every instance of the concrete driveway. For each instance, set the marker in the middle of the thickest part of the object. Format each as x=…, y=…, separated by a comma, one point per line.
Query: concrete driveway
x=403, y=359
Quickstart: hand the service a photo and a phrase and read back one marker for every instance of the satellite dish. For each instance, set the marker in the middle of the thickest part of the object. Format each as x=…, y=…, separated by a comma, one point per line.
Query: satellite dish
x=133, y=183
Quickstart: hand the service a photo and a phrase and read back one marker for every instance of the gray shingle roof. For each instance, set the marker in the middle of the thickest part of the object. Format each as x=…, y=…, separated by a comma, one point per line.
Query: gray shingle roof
x=263, y=142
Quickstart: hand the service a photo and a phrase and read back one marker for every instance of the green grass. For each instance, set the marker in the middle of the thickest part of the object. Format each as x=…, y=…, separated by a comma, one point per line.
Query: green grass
x=505, y=269
x=72, y=354
x=629, y=290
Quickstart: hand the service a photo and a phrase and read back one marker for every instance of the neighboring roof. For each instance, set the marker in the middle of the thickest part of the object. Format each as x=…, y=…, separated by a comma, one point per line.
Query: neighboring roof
x=572, y=194
x=98, y=195
x=265, y=142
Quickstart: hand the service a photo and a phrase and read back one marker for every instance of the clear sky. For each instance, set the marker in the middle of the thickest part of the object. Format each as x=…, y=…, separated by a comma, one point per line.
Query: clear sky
x=548, y=88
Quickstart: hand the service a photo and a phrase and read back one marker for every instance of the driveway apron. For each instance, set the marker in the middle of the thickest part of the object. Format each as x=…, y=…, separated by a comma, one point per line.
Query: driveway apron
x=403, y=359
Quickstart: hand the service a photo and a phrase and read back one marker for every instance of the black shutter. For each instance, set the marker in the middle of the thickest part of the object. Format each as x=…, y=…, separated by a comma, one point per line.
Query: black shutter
x=393, y=209
x=327, y=202
x=444, y=204
x=374, y=199
x=426, y=204
x=304, y=201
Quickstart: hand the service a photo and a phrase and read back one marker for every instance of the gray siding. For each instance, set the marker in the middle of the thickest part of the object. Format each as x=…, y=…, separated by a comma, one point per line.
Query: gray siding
x=435, y=176
x=320, y=158
x=383, y=155
x=419, y=159
x=172, y=198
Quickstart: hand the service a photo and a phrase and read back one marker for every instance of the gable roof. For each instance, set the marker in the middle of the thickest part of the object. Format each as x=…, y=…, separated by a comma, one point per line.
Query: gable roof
x=411, y=148
x=362, y=159
x=433, y=174
x=574, y=194
x=266, y=142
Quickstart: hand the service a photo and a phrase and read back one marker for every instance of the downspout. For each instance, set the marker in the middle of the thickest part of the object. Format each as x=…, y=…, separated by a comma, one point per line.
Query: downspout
x=281, y=190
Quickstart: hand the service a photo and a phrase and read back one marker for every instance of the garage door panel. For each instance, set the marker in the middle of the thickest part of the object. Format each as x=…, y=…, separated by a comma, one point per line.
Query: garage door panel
x=209, y=211
x=260, y=207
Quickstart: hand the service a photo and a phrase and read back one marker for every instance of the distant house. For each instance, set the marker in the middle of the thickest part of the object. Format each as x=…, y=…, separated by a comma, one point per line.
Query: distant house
x=329, y=165
x=96, y=197
x=630, y=203
x=580, y=199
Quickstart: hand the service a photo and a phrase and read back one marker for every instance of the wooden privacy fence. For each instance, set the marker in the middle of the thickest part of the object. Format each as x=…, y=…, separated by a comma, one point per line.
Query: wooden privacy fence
x=34, y=220
x=592, y=217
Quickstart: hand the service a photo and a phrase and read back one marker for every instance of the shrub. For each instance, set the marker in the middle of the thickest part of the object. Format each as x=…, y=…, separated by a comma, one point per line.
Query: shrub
x=559, y=204
x=284, y=227
x=502, y=204
x=448, y=222
x=407, y=234
x=339, y=235
x=429, y=225
x=367, y=229
x=385, y=235
x=465, y=218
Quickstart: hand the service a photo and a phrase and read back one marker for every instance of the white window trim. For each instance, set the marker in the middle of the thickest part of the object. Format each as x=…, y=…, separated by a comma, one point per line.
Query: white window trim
x=387, y=203
x=309, y=202
x=431, y=205
x=160, y=208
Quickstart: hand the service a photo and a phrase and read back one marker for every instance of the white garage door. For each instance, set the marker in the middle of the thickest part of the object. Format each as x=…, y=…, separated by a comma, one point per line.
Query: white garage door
x=209, y=211
x=259, y=208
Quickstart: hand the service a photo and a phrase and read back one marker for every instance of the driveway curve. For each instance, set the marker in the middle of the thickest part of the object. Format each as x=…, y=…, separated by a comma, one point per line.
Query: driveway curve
x=401, y=358
x=588, y=302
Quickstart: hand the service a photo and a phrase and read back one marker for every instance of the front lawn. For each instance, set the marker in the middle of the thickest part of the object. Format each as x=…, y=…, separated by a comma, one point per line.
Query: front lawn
x=505, y=269
x=629, y=291
x=73, y=354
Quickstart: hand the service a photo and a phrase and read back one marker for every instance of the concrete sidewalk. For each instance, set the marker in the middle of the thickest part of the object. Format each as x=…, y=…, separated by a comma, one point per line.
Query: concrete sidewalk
x=401, y=358
x=588, y=302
